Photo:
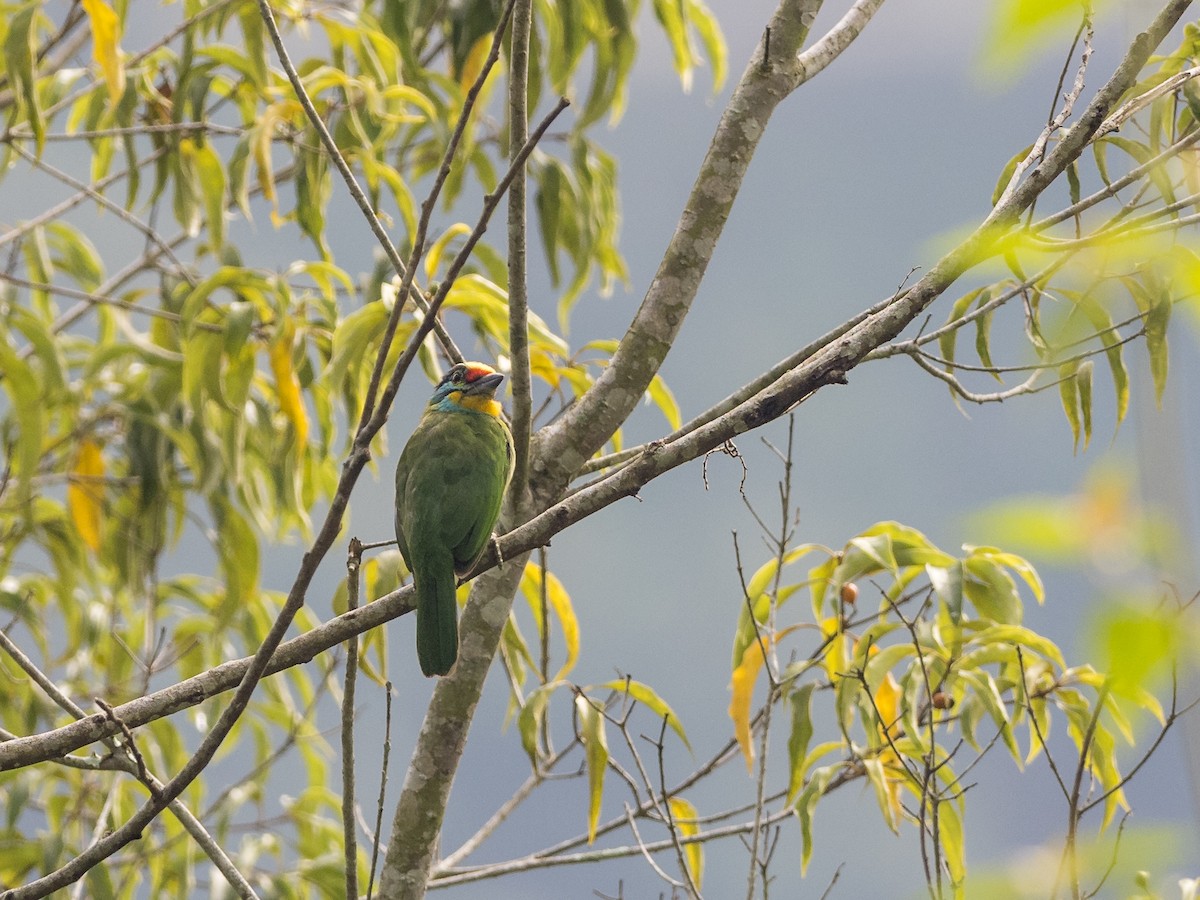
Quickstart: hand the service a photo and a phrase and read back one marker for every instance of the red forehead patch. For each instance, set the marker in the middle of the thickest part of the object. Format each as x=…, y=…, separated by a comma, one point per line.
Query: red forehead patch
x=476, y=372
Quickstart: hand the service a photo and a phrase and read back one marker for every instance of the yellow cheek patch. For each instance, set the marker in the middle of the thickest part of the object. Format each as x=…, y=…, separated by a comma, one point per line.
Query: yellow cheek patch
x=478, y=403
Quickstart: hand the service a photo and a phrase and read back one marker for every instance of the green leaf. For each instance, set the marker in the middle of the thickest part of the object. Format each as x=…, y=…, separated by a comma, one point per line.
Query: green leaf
x=1068, y=391
x=19, y=50
x=595, y=745
x=659, y=394
x=947, y=583
x=1157, y=318
x=1018, y=634
x=988, y=694
x=251, y=22
x=1083, y=378
x=806, y=805
x=20, y=382
x=950, y=833
x=1006, y=173
x=991, y=590
x=649, y=698
x=670, y=15
x=1137, y=644
x=877, y=775
x=1018, y=27
x=1102, y=322
x=237, y=552
x=210, y=175
x=983, y=329
x=75, y=254
x=529, y=721
x=948, y=339
x=1019, y=565
x=709, y=31
x=800, y=701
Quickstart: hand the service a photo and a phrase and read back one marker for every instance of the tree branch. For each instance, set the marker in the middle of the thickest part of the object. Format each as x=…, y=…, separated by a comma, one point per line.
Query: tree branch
x=563, y=447
x=518, y=296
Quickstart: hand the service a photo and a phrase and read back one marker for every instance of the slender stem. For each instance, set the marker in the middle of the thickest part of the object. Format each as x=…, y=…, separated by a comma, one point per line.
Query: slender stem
x=349, y=828
x=387, y=753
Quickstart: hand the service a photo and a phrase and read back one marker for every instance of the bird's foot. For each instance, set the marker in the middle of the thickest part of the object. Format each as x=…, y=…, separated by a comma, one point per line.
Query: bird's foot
x=499, y=552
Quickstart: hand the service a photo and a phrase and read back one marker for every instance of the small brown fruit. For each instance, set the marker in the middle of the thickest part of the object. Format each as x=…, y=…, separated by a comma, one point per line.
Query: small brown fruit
x=849, y=593
x=942, y=700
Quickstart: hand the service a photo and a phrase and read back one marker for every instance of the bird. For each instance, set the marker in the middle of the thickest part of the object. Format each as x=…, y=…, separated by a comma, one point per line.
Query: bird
x=450, y=482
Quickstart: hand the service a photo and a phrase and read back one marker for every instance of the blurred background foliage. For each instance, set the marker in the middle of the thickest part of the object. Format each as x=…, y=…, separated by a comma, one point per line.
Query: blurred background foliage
x=170, y=415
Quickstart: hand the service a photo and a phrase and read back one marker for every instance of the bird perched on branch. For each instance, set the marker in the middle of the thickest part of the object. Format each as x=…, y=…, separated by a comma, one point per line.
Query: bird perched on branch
x=450, y=481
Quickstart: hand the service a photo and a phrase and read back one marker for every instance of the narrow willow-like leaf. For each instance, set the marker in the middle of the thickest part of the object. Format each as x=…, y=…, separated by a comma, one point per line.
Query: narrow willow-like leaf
x=741, y=688
x=684, y=815
x=1157, y=318
x=660, y=395
x=287, y=385
x=948, y=339
x=885, y=794
x=20, y=382
x=210, y=174
x=806, y=805
x=19, y=64
x=954, y=851
x=595, y=745
x=1102, y=322
x=649, y=698
x=533, y=582
x=1006, y=173
x=529, y=722
x=85, y=493
x=1083, y=383
x=983, y=335
x=106, y=33
x=1068, y=392
x=800, y=702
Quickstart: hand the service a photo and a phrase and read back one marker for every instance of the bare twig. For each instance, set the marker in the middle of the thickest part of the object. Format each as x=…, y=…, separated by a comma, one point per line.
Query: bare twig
x=349, y=833
x=1038, y=151
x=387, y=752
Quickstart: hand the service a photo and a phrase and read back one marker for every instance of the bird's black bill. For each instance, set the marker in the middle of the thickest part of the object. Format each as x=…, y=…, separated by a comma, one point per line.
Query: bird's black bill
x=485, y=385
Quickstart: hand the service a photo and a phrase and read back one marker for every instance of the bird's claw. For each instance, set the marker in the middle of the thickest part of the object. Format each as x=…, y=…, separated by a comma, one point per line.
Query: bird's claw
x=499, y=552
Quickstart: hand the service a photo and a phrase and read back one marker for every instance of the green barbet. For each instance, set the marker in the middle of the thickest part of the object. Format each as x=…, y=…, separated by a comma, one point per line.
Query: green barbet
x=450, y=482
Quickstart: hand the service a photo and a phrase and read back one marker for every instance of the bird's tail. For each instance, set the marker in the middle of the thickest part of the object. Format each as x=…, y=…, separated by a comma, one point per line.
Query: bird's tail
x=437, y=620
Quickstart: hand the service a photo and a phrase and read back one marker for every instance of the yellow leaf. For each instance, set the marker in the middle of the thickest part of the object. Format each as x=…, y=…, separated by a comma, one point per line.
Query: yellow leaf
x=887, y=702
x=434, y=255
x=559, y=601
x=473, y=64
x=106, y=32
x=742, y=689
x=277, y=113
x=85, y=494
x=837, y=659
x=745, y=674
x=647, y=696
x=887, y=790
x=287, y=385
x=683, y=814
